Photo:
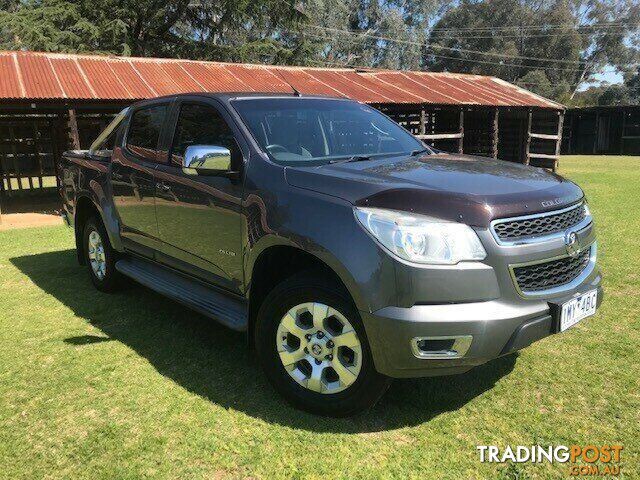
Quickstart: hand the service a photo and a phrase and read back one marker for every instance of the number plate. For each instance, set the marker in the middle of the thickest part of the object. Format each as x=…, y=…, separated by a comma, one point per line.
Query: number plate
x=578, y=308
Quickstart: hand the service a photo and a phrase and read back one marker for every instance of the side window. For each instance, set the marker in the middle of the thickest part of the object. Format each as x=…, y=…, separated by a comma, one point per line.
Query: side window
x=201, y=125
x=144, y=131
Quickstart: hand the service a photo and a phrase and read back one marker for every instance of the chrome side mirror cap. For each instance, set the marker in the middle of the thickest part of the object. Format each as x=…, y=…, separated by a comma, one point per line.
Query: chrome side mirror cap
x=207, y=158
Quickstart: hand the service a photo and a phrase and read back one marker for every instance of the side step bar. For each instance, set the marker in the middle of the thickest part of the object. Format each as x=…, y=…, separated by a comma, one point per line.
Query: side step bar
x=191, y=293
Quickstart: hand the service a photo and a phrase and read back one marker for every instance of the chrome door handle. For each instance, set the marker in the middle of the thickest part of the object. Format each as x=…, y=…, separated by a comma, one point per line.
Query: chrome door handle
x=163, y=186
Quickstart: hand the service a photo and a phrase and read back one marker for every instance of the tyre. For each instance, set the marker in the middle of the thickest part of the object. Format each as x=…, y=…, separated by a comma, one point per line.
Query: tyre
x=313, y=348
x=100, y=257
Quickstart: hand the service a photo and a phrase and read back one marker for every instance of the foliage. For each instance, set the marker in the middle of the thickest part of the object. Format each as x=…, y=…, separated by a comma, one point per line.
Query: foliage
x=576, y=39
x=56, y=25
x=225, y=30
x=632, y=82
x=538, y=81
x=271, y=31
x=374, y=33
x=614, y=95
x=627, y=93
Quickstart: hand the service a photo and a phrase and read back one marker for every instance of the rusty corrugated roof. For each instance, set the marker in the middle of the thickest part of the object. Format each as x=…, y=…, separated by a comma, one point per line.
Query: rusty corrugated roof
x=37, y=75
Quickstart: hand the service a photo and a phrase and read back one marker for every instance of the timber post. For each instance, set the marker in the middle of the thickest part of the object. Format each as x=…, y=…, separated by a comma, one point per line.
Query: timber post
x=527, y=148
x=74, y=136
x=494, y=134
x=558, y=140
x=461, y=131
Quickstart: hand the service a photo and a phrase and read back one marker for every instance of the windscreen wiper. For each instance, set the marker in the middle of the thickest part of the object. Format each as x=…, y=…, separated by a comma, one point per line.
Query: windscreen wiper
x=415, y=153
x=354, y=158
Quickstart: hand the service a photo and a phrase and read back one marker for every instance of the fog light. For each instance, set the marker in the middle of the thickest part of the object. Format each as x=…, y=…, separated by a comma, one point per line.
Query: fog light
x=441, y=348
x=435, y=345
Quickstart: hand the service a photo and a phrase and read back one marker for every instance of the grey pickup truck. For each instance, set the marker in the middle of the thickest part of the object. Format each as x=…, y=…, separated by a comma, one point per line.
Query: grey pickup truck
x=349, y=251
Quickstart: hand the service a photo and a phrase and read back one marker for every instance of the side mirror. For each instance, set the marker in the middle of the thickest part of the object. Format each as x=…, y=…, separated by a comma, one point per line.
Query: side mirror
x=207, y=159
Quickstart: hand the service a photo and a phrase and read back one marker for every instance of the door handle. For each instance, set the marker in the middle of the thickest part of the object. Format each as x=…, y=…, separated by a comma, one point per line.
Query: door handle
x=163, y=186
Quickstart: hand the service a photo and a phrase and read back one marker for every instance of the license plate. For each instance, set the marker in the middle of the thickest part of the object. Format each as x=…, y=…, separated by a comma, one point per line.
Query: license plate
x=578, y=308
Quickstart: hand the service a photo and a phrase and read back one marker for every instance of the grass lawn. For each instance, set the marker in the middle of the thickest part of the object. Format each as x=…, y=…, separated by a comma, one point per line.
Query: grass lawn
x=132, y=385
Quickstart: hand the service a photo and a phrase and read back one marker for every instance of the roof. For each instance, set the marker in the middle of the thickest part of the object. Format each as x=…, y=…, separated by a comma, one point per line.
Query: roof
x=40, y=76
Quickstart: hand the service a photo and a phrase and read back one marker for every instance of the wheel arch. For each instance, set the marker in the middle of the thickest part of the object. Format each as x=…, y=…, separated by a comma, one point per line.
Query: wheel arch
x=276, y=263
x=85, y=209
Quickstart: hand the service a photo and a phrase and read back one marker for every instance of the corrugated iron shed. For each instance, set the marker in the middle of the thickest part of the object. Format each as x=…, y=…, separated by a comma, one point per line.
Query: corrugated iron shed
x=50, y=76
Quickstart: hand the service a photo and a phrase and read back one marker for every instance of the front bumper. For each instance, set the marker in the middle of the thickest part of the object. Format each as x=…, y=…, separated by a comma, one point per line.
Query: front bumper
x=497, y=327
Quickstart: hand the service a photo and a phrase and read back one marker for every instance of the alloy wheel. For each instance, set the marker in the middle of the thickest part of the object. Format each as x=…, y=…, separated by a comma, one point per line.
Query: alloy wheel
x=319, y=348
x=97, y=257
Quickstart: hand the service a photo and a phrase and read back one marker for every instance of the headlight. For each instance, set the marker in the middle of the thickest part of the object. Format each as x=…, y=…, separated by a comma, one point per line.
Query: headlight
x=421, y=239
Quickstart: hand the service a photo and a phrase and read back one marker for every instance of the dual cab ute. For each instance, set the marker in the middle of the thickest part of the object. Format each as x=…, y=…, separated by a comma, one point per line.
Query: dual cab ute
x=349, y=251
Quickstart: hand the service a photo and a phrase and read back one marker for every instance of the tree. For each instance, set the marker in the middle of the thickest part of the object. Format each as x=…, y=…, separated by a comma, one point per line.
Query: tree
x=632, y=82
x=538, y=82
x=53, y=26
x=574, y=39
x=373, y=33
x=225, y=30
x=614, y=95
x=268, y=31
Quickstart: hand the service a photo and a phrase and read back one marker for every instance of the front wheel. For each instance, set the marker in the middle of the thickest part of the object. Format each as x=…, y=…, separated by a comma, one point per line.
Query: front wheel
x=314, y=350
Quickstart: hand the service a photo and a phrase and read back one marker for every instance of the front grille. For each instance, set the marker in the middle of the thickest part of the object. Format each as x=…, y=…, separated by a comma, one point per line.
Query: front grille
x=538, y=225
x=543, y=276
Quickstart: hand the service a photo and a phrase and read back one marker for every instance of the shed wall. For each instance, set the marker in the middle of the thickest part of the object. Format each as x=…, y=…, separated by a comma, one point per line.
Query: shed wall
x=602, y=130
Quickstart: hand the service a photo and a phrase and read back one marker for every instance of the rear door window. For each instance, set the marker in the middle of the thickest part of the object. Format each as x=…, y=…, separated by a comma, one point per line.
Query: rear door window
x=144, y=131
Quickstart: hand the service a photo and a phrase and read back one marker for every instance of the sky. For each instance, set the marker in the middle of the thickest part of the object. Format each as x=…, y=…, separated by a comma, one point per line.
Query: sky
x=610, y=77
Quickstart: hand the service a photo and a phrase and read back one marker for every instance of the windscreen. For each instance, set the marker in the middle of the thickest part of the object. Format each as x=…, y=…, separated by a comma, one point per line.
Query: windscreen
x=299, y=131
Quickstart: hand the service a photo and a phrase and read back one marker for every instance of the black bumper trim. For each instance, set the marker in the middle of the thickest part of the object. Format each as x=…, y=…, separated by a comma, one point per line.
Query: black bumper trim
x=529, y=332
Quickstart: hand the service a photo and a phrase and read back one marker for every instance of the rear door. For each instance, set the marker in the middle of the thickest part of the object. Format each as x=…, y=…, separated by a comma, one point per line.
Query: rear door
x=132, y=177
x=199, y=216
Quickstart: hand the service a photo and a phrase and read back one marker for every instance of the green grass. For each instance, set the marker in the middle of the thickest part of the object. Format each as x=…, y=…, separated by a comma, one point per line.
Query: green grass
x=132, y=385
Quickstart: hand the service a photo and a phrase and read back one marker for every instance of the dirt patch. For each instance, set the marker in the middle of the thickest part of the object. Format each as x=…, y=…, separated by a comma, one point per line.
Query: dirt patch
x=24, y=220
x=30, y=211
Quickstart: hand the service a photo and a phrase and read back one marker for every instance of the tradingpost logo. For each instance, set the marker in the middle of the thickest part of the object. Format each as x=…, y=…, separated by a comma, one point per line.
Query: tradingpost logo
x=595, y=460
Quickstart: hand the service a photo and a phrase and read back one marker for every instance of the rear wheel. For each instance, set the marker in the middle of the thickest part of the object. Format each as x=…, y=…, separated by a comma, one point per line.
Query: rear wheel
x=100, y=257
x=314, y=350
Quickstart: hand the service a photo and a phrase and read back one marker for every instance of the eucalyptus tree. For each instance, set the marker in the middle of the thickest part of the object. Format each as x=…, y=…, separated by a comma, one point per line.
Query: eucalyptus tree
x=547, y=46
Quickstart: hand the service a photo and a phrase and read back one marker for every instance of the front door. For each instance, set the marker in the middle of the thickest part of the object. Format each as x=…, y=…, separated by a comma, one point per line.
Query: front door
x=132, y=178
x=199, y=220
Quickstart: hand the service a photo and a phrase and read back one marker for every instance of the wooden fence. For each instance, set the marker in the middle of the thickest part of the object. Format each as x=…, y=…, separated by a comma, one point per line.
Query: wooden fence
x=611, y=130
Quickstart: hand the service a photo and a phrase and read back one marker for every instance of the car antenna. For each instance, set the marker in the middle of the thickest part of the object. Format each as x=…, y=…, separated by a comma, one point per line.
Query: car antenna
x=296, y=93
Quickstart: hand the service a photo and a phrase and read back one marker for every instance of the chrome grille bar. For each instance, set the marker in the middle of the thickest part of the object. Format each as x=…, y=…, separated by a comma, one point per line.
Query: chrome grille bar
x=540, y=226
